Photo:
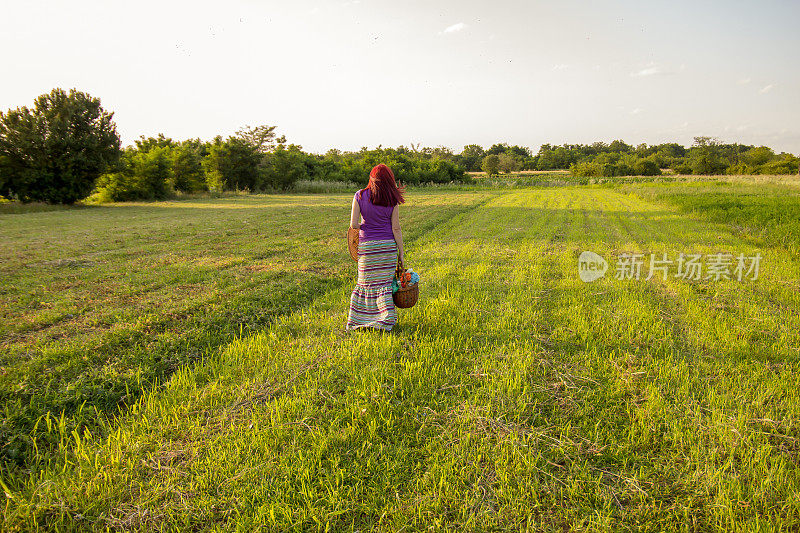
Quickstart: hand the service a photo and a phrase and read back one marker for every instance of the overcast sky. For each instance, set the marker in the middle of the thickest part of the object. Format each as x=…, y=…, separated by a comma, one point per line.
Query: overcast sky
x=348, y=74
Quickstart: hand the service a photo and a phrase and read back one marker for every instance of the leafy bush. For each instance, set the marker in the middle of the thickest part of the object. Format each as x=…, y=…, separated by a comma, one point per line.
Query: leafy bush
x=233, y=165
x=114, y=187
x=284, y=167
x=785, y=164
x=589, y=169
x=739, y=169
x=186, y=170
x=140, y=176
x=646, y=167
x=491, y=165
x=151, y=170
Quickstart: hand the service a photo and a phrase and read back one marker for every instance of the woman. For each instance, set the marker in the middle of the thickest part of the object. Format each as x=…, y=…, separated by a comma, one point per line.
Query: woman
x=380, y=240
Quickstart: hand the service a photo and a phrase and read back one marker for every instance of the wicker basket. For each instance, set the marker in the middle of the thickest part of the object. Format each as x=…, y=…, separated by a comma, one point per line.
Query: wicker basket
x=405, y=297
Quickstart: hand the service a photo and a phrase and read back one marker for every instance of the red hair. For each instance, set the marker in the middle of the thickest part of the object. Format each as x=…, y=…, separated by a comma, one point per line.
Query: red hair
x=382, y=187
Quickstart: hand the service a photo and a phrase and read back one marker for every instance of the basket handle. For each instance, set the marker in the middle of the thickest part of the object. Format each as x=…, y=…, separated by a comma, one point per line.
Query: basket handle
x=398, y=271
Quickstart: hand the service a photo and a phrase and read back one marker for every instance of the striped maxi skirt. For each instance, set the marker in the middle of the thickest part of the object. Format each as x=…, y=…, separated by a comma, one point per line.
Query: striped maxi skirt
x=371, y=304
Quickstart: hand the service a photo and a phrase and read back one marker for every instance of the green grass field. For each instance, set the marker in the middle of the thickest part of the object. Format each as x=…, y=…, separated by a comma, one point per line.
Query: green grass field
x=197, y=351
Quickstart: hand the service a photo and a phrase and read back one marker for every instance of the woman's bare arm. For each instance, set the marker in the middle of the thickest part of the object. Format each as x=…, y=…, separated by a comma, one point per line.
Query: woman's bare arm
x=398, y=234
x=355, y=215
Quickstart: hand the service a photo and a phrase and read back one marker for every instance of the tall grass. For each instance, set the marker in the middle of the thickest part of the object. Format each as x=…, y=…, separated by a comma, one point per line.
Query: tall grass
x=762, y=208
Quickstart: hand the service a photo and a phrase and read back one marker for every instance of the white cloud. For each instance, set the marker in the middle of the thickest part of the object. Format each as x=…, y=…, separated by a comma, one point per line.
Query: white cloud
x=636, y=110
x=766, y=88
x=560, y=66
x=652, y=69
x=455, y=27
x=649, y=70
x=743, y=81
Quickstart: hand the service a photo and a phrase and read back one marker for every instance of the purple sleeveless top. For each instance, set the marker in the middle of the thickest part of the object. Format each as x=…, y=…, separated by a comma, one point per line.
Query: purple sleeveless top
x=376, y=220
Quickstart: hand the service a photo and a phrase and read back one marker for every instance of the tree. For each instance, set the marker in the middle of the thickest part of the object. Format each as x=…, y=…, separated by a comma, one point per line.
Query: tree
x=145, y=144
x=471, y=157
x=519, y=152
x=55, y=151
x=443, y=152
x=497, y=149
x=619, y=146
x=555, y=157
x=704, y=156
x=262, y=138
x=491, y=165
x=506, y=162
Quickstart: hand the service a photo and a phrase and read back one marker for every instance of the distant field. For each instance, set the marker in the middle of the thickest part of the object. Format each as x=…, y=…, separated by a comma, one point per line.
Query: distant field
x=562, y=178
x=512, y=397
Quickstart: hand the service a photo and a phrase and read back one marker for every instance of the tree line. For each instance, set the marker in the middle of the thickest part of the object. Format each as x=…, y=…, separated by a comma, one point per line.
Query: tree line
x=66, y=147
x=252, y=160
x=707, y=156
